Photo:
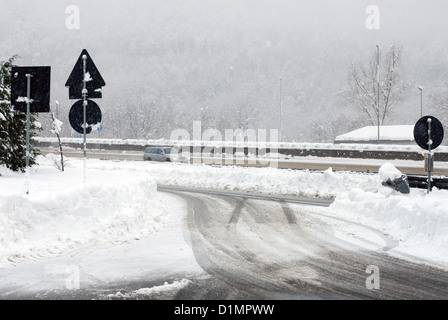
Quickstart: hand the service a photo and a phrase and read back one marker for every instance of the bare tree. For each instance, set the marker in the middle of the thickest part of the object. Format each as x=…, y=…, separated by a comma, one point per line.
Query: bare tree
x=363, y=80
x=56, y=129
x=439, y=99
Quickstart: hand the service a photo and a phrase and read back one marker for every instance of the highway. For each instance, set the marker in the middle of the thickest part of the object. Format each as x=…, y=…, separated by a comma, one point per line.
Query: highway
x=297, y=163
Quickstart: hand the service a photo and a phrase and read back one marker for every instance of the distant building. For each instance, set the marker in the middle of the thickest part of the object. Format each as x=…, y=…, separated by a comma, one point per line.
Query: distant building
x=402, y=135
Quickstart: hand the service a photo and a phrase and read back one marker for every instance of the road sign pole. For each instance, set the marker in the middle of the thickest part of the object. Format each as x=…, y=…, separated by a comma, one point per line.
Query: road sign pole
x=84, y=104
x=429, y=155
x=27, y=161
x=28, y=97
x=84, y=93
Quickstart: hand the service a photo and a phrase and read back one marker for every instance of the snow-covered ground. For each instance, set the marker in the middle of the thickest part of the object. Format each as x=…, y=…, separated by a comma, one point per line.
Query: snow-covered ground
x=110, y=205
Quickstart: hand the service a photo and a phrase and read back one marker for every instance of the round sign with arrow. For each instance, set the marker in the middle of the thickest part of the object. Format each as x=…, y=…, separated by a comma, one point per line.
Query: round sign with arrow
x=428, y=133
x=76, y=116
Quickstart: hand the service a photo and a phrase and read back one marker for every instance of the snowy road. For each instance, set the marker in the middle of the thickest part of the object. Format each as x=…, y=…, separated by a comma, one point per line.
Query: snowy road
x=256, y=249
x=247, y=248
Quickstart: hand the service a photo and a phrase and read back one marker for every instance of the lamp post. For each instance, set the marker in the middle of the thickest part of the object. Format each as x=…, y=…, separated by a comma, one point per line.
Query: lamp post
x=378, y=89
x=281, y=106
x=421, y=101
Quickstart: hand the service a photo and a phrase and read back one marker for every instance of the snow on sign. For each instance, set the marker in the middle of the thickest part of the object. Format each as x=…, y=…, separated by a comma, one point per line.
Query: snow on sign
x=428, y=129
x=39, y=91
x=93, y=78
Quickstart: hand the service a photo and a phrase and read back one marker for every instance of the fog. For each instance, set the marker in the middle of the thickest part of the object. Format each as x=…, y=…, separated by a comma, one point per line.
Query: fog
x=169, y=63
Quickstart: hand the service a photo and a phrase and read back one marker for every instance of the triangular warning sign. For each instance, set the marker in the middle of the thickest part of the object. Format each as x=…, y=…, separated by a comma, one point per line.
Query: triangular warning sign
x=94, y=80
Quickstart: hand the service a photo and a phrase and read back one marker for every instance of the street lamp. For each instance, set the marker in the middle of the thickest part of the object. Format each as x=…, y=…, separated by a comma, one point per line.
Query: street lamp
x=378, y=89
x=421, y=101
x=281, y=106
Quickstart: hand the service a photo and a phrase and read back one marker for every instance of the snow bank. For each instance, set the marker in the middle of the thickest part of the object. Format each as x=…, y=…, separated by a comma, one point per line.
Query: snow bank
x=58, y=219
x=257, y=180
x=418, y=220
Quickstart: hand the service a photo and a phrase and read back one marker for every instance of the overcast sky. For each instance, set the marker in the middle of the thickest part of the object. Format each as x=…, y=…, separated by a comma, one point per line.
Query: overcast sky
x=314, y=41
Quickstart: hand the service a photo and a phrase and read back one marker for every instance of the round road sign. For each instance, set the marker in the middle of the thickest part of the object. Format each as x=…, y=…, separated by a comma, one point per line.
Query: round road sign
x=421, y=135
x=76, y=116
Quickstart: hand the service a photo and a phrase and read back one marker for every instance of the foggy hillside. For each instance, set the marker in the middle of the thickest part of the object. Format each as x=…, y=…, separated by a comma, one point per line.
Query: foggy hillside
x=169, y=63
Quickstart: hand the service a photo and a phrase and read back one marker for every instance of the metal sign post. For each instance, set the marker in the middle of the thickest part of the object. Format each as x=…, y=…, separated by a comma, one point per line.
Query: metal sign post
x=429, y=163
x=84, y=98
x=30, y=97
x=27, y=161
x=84, y=122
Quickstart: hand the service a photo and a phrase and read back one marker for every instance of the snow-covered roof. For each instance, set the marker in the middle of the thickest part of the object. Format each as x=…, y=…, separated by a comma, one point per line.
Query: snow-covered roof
x=388, y=134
